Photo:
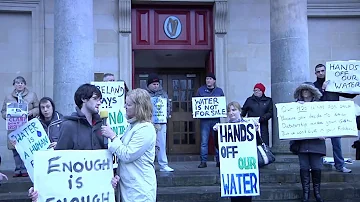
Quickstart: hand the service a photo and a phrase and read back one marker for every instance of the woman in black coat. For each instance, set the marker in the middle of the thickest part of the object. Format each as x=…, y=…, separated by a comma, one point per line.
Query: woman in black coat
x=310, y=151
x=258, y=105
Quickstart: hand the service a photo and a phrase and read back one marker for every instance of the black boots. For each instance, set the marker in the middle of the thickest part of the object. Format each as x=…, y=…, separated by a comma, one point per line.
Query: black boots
x=305, y=182
x=316, y=179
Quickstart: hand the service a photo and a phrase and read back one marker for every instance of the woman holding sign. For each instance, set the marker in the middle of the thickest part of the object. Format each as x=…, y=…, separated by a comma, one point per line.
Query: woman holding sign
x=234, y=116
x=135, y=150
x=310, y=151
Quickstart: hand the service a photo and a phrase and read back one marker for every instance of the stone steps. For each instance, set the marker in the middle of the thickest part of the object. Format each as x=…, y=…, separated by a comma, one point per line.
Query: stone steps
x=339, y=192
x=270, y=192
x=189, y=183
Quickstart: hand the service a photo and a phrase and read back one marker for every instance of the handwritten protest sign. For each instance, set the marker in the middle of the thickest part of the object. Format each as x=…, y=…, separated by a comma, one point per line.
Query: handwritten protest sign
x=344, y=76
x=16, y=115
x=239, y=172
x=113, y=101
x=209, y=107
x=316, y=119
x=75, y=175
x=159, y=109
x=29, y=139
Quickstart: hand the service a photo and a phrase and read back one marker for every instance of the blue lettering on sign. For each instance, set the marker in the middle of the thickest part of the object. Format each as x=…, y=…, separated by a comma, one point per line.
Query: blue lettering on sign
x=242, y=183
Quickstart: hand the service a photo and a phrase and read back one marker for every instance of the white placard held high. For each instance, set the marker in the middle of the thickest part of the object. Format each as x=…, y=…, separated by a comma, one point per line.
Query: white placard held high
x=209, y=107
x=239, y=172
x=316, y=119
x=74, y=175
x=344, y=76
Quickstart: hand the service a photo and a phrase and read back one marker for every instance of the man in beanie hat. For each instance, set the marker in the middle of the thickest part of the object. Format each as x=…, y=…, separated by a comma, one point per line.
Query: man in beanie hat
x=258, y=105
x=321, y=84
x=207, y=124
x=155, y=90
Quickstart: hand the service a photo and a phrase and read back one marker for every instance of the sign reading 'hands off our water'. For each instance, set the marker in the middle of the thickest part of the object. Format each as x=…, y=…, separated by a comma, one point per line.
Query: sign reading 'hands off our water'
x=30, y=138
x=344, y=76
x=239, y=172
x=209, y=107
x=316, y=119
x=74, y=175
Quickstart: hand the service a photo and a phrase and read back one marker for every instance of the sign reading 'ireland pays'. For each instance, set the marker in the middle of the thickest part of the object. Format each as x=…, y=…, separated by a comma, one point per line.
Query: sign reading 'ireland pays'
x=30, y=138
x=113, y=101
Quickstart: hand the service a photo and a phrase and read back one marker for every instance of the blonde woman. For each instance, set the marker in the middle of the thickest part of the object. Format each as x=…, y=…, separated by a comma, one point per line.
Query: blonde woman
x=135, y=150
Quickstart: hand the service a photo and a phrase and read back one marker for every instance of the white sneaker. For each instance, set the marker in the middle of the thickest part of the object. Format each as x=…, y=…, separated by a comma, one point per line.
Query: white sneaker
x=344, y=170
x=166, y=169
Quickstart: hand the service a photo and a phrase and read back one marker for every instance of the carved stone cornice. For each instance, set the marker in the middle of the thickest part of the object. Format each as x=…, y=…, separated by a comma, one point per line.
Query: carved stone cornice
x=125, y=16
x=333, y=9
x=220, y=16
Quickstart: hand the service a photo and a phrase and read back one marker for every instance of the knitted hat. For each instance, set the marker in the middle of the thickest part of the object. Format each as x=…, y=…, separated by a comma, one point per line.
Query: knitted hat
x=260, y=86
x=212, y=75
x=153, y=78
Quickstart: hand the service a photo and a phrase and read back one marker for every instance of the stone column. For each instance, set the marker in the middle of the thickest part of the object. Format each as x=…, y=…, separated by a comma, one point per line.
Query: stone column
x=289, y=56
x=125, y=53
x=73, y=50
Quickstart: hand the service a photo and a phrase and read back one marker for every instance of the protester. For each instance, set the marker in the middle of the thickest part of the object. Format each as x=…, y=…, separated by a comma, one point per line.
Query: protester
x=234, y=111
x=20, y=94
x=259, y=105
x=321, y=84
x=135, y=150
x=155, y=90
x=206, y=124
x=310, y=151
x=81, y=130
x=50, y=119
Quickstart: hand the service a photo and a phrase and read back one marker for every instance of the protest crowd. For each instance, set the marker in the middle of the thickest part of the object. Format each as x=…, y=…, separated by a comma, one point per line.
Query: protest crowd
x=141, y=140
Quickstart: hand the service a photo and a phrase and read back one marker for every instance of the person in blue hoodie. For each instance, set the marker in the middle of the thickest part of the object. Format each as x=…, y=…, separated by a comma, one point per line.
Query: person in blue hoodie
x=206, y=124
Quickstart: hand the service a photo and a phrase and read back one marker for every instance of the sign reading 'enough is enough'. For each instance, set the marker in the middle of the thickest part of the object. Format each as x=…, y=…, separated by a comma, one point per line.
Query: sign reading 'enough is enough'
x=316, y=119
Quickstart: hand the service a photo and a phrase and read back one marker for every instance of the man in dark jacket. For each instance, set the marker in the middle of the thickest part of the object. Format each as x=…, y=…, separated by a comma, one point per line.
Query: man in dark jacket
x=320, y=84
x=258, y=105
x=82, y=130
x=207, y=124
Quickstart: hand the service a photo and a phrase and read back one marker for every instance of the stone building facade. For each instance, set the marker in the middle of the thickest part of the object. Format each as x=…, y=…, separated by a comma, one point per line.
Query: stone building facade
x=50, y=42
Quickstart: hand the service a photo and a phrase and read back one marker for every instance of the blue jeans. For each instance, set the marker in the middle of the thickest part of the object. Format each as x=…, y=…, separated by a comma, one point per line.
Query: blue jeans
x=206, y=125
x=337, y=153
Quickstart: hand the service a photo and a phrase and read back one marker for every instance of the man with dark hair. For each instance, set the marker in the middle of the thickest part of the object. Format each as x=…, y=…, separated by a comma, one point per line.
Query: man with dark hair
x=82, y=130
x=321, y=84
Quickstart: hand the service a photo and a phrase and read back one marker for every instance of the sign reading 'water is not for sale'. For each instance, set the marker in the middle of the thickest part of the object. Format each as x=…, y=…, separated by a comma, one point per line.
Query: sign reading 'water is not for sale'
x=209, y=107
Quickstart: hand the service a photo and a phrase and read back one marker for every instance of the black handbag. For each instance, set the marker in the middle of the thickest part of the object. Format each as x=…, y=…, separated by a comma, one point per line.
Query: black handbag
x=265, y=156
